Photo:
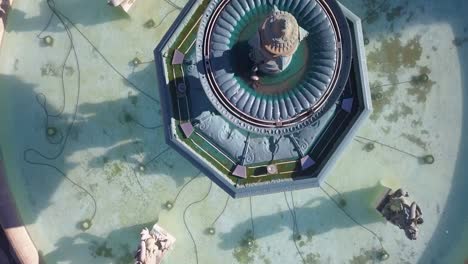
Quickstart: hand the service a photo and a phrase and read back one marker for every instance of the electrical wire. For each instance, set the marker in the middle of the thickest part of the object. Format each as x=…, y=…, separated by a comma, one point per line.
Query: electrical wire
x=185, y=220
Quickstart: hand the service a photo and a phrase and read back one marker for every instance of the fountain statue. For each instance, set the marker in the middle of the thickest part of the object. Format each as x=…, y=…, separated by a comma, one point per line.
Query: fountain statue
x=275, y=42
x=154, y=244
x=398, y=210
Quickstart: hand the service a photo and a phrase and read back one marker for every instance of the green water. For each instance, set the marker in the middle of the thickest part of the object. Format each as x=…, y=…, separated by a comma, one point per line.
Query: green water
x=106, y=145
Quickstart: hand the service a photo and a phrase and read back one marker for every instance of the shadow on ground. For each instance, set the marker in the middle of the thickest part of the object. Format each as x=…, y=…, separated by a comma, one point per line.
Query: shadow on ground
x=315, y=217
x=110, y=249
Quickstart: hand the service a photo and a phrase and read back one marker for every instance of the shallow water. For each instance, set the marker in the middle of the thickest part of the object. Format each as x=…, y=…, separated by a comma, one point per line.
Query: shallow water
x=107, y=142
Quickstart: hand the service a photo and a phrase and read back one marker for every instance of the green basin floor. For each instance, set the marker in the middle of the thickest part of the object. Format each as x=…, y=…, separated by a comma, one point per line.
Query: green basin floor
x=105, y=122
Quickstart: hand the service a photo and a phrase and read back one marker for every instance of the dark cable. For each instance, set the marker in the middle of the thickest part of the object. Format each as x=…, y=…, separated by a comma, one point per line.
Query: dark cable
x=139, y=183
x=183, y=187
x=388, y=146
x=251, y=217
x=157, y=156
x=49, y=22
x=70, y=180
x=333, y=188
x=185, y=220
x=105, y=58
x=295, y=226
x=65, y=138
x=295, y=213
x=391, y=84
x=173, y=4
x=222, y=211
x=146, y=126
x=164, y=17
x=145, y=164
x=352, y=218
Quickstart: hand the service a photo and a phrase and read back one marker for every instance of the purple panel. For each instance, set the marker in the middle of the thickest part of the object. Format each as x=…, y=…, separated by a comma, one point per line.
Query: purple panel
x=240, y=171
x=178, y=57
x=347, y=104
x=307, y=162
x=187, y=128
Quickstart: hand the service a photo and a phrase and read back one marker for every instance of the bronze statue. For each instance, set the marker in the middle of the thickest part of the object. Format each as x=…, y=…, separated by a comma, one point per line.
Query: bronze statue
x=399, y=211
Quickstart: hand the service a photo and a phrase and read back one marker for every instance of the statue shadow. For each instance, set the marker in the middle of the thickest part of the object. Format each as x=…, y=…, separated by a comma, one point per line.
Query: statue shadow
x=114, y=248
x=229, y=62
x=317, y=216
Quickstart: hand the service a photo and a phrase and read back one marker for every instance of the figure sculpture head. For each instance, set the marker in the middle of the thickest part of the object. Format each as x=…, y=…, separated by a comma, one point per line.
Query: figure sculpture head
x=279, y=33
x=275, y=42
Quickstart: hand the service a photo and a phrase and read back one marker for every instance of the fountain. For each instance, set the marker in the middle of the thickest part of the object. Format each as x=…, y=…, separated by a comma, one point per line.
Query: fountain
x=262, y=96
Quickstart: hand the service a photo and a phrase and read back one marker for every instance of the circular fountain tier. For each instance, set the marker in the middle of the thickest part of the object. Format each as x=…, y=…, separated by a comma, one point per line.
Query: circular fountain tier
x=281, y=103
